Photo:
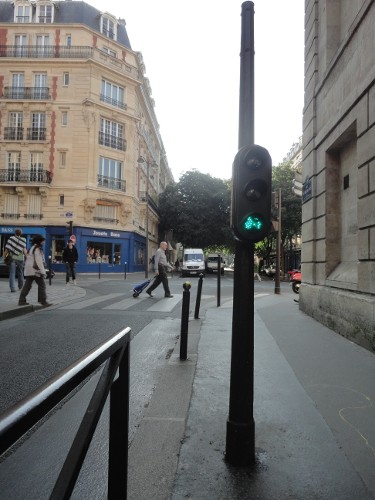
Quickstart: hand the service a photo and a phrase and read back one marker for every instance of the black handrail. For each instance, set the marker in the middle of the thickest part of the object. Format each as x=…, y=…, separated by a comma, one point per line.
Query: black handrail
x=20, y=418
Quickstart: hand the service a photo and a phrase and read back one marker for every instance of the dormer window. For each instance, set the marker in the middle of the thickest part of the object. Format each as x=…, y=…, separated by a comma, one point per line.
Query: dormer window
x=23, y=13
x=108, y=27
x=44, y=13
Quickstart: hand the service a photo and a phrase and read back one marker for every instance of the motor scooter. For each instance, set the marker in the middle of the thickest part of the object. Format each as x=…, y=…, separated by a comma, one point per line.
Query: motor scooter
x=295, y=281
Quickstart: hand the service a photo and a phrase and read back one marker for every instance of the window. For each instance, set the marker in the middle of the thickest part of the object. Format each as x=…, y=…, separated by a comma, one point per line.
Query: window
x=18, y=89
x=111, y=134
x=45, y=13
x=61, y=200
x=37, y=132
x=40, y=86
x=64, y=118
x=108, y=27
x=99, y=252
x=62, y=159
x=22, y=14
x=105, y=212
x=36, y=167
x=11, y=206
x=112, y=94
x=109, y=51
x=13, y=166
x=65, y=79
x=57, y=246
x=15, y=130
x=68, y=40
x=20, y=42
x=34, y=207
x=42, y=45
x=110, y=174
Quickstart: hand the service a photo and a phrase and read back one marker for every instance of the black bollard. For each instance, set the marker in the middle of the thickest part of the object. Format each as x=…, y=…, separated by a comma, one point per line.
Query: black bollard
x=185, y=320
x=125, y=271
x=50, y=271
x=100, y=266
x=198, y=299
x=218, y=279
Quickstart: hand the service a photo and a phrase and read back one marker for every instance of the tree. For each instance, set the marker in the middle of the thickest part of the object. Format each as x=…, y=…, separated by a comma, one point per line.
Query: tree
x=197, y=208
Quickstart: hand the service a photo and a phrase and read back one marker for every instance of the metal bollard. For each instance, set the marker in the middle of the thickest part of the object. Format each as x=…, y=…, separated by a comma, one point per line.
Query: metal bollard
x=100, y=267
x=185, y=320
x=125, y=271
x=218, y=279
x=198, y=299
x=50, y=270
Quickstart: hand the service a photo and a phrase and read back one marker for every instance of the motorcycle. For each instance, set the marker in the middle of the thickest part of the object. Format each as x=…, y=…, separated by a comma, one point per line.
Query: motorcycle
x=295, y=281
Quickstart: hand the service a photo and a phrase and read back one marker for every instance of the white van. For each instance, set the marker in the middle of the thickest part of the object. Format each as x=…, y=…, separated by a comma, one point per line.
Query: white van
x=211, y=263
x=192, y=262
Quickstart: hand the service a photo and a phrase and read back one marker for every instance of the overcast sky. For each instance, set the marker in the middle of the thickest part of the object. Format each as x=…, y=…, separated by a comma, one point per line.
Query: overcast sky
x=191, y=53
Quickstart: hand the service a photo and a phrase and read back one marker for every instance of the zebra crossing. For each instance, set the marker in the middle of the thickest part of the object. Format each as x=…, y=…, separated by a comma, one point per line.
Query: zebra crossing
x=118, y=303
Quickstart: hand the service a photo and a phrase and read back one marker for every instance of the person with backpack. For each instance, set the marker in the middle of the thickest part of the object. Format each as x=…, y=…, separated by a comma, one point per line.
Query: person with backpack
x=16, y=247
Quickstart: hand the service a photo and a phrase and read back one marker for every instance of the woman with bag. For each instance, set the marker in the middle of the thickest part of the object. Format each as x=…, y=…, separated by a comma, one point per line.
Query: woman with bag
x=35, y=270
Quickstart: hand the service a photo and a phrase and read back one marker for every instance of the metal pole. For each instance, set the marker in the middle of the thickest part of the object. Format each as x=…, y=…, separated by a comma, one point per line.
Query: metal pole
x=147, y=188
x=50, y=271
x=278, y=242
x=125, y=271
x=185, y=320
x=198, y=299
x=218, y=279
x=240, y=440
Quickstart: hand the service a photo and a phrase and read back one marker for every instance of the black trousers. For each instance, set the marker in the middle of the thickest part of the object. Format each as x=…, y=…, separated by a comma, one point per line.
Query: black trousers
x=39, y=280
x=160, y=278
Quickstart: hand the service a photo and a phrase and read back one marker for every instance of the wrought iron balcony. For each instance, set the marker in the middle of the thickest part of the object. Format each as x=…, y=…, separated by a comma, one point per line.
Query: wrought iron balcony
x=106, y=219
x=13, y=134
x=10, y=216
x=25, y=176
x=111, y=183
x=113, y=102
x=39, y=93
x=112, y=141
x=46, y=51
x=36, y=134
x=33, y=216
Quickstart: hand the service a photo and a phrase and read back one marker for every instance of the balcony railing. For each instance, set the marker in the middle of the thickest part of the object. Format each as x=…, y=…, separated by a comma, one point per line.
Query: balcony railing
x=33, y=216
x=13, y=134
x=112, y=102
x=40, y=93
x=111, y=183
x=36, y=134
x=18, y=175
x=112, y=141
x=106, y=219
x=10, y=216
x=46, y=51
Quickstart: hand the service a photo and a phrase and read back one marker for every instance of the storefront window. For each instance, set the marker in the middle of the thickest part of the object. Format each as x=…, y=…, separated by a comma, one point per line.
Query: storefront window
x=139, y=253
x=99, y=252
x=58, y=245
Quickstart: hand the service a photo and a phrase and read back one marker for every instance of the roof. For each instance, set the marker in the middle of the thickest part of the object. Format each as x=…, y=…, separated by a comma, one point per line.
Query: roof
x=72, y=12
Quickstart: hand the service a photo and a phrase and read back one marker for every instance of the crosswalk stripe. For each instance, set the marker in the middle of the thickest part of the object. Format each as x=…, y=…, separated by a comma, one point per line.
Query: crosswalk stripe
x=90, y=302
x=125, y=304
x=165, y=305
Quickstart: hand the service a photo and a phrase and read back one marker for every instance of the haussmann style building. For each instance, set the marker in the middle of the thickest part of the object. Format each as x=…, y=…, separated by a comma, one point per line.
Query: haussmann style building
x=80, y=148
x=338, y=232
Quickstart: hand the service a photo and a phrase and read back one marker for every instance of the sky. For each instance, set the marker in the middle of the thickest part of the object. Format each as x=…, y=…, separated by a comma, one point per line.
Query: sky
x=191, y=51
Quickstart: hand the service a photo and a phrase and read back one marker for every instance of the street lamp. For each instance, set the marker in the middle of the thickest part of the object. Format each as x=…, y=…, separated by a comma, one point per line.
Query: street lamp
x=140, y=161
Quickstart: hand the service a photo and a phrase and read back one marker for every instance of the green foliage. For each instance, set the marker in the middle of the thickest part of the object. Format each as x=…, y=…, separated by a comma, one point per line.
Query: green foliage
x=197, y=208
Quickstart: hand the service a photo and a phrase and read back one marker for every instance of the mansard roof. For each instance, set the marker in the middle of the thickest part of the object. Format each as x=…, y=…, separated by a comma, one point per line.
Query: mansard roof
x=71, y=12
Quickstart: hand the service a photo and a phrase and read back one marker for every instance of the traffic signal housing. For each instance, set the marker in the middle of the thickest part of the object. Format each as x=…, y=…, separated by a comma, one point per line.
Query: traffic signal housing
x=251, y=193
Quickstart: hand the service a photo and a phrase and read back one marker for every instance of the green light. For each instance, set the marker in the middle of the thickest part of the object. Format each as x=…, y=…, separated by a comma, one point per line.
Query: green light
x=253, y=223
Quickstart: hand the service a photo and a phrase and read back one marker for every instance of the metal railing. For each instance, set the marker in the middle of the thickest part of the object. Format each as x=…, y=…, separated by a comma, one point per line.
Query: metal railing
x=18, y=175
x=112, y=141
x=40, y=93
x=18, y=420
x=45, y=51
x=111, y=183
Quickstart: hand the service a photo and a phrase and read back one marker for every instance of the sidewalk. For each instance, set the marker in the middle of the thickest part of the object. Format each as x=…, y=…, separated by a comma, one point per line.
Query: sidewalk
x=298, y=455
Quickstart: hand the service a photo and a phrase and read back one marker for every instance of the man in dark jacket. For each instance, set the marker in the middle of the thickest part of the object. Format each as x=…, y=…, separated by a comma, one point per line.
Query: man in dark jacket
x=70, y=257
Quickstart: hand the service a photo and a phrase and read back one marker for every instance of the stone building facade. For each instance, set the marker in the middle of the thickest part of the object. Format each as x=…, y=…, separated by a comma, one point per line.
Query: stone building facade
x=338, y=231
x=80, y=147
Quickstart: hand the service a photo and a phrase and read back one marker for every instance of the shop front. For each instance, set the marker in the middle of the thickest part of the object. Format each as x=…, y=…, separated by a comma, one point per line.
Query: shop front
x=27, y=233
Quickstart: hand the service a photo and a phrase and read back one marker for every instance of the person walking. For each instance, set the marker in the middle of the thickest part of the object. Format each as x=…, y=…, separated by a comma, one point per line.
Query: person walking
x=70, y=257
x=17, y=249
x=35, y=270
x=161, y=266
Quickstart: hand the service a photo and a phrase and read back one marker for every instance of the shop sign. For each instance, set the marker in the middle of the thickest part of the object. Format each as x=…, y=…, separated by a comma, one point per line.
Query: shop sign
x=307, y=190
x=102, y=233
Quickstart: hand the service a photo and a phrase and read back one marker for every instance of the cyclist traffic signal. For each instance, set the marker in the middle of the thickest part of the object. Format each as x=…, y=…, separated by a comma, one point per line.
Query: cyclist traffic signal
x=251, y=193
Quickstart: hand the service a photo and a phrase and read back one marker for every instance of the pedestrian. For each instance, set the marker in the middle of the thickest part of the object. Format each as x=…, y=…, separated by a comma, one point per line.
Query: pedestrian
x=177, y=264
x=17, y=249
x=35, y=270
x=161, y=266
x=70, y=257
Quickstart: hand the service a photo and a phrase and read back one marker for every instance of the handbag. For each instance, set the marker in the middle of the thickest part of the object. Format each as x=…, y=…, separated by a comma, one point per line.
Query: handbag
x=7, y=257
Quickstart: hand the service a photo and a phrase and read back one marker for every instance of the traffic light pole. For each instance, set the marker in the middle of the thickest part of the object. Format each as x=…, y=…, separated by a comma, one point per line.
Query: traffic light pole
x=240, y=439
